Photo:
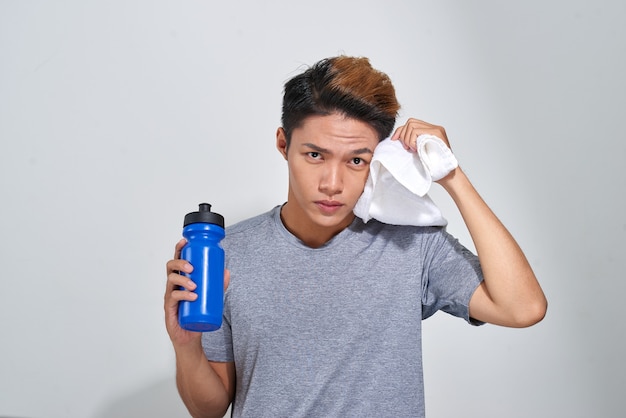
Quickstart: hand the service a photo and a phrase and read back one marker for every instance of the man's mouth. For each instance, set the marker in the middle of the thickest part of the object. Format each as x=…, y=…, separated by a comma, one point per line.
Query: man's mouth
x=329, y=206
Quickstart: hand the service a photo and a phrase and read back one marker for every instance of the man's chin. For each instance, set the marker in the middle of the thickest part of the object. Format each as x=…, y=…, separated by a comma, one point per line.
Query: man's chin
x=337, y=220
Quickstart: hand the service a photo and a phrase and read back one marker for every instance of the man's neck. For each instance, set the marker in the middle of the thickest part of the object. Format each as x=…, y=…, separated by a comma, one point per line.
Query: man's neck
x=310, y=234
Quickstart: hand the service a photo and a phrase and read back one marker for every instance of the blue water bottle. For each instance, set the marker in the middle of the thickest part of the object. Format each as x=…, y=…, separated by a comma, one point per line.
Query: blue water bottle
x=204, y=230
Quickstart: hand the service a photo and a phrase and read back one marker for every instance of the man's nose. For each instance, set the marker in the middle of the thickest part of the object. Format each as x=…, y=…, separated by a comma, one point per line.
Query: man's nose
x=331, y=182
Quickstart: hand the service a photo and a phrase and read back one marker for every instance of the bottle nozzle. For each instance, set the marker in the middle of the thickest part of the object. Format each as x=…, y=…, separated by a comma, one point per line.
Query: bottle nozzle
x=204, y=215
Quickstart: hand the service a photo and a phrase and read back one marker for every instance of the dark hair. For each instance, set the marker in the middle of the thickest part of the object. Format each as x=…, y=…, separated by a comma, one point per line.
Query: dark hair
x=347, y=85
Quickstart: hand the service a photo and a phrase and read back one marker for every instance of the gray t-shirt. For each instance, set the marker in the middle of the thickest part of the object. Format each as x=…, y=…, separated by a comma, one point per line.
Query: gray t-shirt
x=335, y=331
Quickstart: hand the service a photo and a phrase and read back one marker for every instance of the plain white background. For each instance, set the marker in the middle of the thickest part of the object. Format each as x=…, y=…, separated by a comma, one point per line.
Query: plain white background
x=118, y=117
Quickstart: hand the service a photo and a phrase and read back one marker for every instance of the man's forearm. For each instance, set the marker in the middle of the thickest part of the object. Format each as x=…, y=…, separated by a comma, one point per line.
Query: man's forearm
x=200, y=387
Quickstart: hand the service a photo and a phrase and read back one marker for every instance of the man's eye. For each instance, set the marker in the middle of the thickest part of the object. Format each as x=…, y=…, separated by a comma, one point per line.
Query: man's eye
x=314, y=155
x=357, y=161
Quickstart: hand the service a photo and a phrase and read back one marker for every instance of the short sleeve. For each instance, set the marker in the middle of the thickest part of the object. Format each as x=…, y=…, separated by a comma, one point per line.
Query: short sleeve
x=451, y=275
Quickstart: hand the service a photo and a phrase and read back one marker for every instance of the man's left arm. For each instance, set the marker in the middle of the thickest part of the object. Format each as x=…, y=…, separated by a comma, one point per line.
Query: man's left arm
x=510, y=294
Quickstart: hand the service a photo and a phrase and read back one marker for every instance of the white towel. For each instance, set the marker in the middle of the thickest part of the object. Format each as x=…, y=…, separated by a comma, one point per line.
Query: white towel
x=398, y=183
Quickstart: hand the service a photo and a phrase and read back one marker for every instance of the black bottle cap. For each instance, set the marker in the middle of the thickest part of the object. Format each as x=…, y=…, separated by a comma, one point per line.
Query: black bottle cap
x=204, y=215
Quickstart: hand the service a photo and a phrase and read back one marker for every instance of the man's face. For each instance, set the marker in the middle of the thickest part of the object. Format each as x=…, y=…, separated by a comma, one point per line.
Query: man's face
x=328, y=162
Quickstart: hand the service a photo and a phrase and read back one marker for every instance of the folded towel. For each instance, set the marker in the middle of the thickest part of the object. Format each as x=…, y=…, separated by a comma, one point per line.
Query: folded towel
x=398, y=182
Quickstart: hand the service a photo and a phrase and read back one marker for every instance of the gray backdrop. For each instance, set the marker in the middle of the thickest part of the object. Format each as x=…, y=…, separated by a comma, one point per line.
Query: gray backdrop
x=118, y=117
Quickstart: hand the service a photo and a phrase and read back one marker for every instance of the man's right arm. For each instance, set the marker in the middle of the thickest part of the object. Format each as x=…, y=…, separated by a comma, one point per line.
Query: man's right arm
x=206, y=388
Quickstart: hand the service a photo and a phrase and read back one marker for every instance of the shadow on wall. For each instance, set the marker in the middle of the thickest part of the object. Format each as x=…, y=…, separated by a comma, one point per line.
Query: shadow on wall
x=159, y=400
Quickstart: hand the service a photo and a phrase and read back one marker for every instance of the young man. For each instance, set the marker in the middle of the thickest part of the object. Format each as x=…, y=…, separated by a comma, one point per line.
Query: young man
x=323, y=312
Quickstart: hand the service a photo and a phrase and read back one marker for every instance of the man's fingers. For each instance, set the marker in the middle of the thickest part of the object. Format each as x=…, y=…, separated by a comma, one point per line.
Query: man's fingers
x=179, y=246
x=180, y=295
x=175, y=280
x=407, y=134
x=178, y=265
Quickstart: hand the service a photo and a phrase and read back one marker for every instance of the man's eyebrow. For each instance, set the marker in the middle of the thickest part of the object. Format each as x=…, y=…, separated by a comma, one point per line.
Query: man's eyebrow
x=358, y=151
x=316, y=148
x=362, y=151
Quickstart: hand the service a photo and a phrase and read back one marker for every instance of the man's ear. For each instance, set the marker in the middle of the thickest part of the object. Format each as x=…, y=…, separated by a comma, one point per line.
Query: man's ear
x=281, y=142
